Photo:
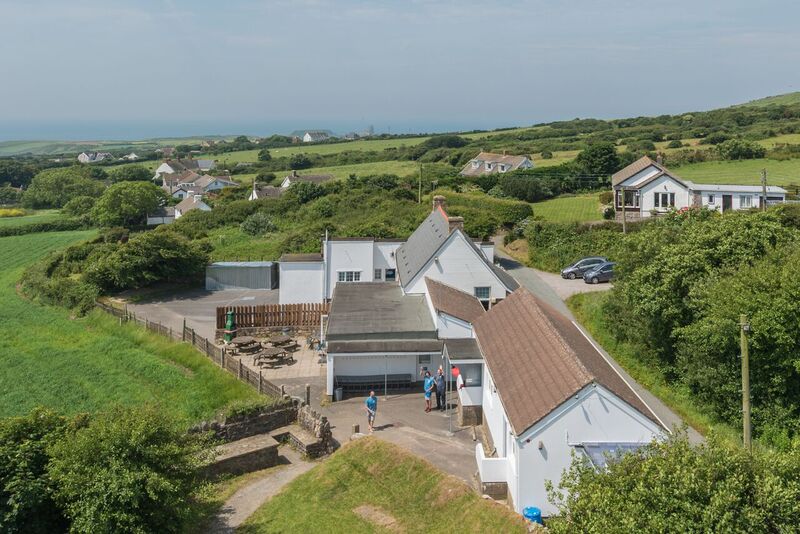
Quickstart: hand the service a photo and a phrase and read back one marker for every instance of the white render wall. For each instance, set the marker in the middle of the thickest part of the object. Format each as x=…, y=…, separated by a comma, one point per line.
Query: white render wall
x=460, y=267
x=384, y=255
x=664, y=184
x=301, y=282
x=348, y=256
x=596, y=415
x=377, y=364
x=449, y=327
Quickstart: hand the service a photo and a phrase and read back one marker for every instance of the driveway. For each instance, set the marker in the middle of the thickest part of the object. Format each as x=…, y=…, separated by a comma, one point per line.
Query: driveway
x=199, y=307
x=547, y=289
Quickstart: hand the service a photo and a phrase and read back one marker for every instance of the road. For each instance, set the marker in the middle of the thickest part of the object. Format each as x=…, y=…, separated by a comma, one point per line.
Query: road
x=547, y=288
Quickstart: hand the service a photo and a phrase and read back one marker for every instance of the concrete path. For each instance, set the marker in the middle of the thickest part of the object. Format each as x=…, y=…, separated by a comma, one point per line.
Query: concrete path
x=248, y=499
x=545, y=289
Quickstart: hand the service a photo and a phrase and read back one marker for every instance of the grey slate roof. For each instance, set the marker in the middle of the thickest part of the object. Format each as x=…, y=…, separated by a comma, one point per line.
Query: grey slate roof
x=421, y=245
x=378, y=310
x=454, y=302
x=463, y=349
x=385, y=345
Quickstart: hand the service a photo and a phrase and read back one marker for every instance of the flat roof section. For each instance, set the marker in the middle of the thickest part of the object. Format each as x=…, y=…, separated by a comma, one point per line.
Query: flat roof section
x=378, y=310
x=463, y=349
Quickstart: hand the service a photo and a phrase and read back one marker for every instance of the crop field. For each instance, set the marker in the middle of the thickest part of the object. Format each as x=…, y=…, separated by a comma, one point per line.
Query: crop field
x=40, y=216
x=743, y=172
x=71, y=365
x=581, y=208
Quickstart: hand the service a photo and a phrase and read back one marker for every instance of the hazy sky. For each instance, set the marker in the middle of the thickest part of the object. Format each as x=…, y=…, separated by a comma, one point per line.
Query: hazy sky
x=424, y=61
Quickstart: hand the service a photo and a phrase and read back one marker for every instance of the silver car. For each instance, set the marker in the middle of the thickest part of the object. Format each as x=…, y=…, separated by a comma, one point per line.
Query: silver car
x=581, y=266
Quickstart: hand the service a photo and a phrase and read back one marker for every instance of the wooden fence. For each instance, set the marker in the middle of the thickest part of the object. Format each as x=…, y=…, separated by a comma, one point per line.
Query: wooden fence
x=217, y=354
x=274, y=315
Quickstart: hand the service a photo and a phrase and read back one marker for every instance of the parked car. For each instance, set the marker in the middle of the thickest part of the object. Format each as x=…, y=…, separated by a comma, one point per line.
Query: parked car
x=602, y=273
x=577, y=269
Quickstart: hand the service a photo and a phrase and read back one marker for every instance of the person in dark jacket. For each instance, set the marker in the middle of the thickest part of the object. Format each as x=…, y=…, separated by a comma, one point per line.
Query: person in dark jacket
x=441, y=389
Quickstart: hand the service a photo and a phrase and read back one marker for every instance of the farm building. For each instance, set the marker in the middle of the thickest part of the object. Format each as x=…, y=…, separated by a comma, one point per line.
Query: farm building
x=242, y=275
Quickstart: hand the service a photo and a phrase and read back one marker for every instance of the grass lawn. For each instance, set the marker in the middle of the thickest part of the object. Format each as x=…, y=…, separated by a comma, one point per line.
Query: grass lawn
x=588, y=309
x=370, y=485
x=580, y=208
x=743, y=172
x=74, y=365
x=40, y=216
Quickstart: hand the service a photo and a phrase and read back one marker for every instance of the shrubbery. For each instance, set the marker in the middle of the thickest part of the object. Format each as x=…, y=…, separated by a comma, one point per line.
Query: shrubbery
x=55, y=187
x=258, y=223
x=740, y=149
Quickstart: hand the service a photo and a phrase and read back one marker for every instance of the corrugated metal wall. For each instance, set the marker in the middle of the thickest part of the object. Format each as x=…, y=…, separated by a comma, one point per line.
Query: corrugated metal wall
x=242, y=275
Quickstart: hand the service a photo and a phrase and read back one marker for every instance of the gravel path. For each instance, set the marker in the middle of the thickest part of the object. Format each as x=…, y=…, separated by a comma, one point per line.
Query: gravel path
x=248, y=499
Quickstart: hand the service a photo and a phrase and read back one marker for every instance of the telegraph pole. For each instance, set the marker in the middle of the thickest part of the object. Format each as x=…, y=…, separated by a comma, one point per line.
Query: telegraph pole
x=624, y=219
x=419, y=195
x=744, y=329
x=764, y=188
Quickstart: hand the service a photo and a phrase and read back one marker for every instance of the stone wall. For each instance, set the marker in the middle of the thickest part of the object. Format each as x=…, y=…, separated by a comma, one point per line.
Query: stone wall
x=495, y=490
x=261, y=331
x=470, y=415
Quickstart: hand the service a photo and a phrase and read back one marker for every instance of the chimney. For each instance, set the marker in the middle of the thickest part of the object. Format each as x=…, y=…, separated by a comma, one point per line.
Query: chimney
x=455, y=223
x=439, y=202
x=294, y=172
x=659, y=159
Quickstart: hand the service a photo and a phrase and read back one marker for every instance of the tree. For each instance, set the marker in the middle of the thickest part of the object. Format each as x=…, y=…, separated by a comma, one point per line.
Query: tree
x=264, y=155
x=159, y=255
x=9, y=195
x=128, y=470
x=444, y=141
x=15, y=173
x=305, y=191
x=79, y=206
x=130, y=173
x=677, y=487
x=300, y=161
x=55, y=187
x=740, y=149
x=258, y=223
x=127, y=203
x=599, y=159
x=27, y=494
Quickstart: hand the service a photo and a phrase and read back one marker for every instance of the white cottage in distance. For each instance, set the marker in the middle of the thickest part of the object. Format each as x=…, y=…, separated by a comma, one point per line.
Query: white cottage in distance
x=650, y=188
x=492, y=163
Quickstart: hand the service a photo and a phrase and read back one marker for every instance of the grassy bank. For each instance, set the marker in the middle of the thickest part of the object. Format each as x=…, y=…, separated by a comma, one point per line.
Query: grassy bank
x=373, y=486
x=39, y=216
x=73, y=365
x=588, y=309
x=743, y=172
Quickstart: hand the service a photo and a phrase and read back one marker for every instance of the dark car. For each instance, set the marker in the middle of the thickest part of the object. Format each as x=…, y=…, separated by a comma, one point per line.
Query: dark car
x=577, y=269
x=602, y=273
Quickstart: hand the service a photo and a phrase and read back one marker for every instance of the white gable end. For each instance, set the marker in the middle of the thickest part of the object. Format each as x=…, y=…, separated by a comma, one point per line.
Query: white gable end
x=641, y=176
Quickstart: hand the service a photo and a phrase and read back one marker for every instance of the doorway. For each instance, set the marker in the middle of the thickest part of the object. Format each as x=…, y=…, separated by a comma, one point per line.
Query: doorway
x=727, y=203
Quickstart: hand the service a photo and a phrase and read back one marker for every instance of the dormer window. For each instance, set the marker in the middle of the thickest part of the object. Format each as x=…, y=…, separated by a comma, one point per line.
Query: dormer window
x=475, y=163
x=501, y=168
x=489, y=165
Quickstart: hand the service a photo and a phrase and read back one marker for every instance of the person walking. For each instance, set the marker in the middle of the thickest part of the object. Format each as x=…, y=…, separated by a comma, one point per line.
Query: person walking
x=371, y=405
x=441, y=390
x=428, y=385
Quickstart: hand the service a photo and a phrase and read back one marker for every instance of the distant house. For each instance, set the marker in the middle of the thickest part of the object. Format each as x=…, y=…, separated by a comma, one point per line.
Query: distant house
x=93, y=157
x=491, y=163
x=315, y=136
x=194, y=202
x=172, y=166
x=166, y=151
x=183, y=184
x=130, y=157
x=313, y=178
x=268, y=191
x=649, y=188
x=163, y=215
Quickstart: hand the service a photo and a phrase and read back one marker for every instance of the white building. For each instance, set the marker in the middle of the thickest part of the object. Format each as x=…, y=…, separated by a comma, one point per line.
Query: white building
x=188, y=204
x=491, y=163
x=315, y=136
x=547, y=393
x=293, y=178
x=163, y=215
x=93, y=157
x=650, y=189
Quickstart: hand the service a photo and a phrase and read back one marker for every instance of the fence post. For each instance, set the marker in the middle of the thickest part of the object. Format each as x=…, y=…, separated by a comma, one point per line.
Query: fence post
x=170, y=332
x=183, y=330
x=240, y=369
x=259, y=382
x=192, y=336
x=222, y=359
x=283, y=390
x=308, y=394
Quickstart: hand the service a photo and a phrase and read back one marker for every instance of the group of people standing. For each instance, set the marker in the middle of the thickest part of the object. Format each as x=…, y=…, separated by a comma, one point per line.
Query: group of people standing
x=431, y=385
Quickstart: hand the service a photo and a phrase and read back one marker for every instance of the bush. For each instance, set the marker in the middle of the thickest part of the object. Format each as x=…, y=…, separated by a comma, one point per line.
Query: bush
x=79, y=206
x=128, y=470
x=546, y=154
x=9, y=196
x=264, y=155
x=55, y=187
x=740, y=149
x=63, y=225
x=130, y=173
x=675, y=143
x=609, y=213
x=300, y=161
x=258, y=223
x=606, y=197
x=305, y=192
x=11, y=212
x=127, y=203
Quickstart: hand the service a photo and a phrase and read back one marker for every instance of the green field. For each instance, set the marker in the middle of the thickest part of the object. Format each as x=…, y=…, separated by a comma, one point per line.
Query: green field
x=581, y=208
x=370, y=485
x=73, y=365
x=743, y=172
x=40, y=216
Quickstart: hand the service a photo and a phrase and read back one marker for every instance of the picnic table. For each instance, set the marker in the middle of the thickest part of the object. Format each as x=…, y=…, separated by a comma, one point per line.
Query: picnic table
x=245, y=344
x=272, y=355
x=242, y=340
x=280, y=340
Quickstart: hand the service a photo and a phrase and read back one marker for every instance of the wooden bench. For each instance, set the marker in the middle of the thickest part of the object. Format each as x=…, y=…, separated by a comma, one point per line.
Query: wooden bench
x=373, y=382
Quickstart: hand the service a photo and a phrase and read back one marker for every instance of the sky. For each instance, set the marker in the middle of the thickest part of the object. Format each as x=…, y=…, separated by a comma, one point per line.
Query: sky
x=408, y=65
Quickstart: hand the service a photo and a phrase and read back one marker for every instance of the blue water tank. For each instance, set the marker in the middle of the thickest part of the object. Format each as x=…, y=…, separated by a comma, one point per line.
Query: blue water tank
x=532, y=514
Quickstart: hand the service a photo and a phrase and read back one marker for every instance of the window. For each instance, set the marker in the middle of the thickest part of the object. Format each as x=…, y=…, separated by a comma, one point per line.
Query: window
x=664, y=200
x=475, y=163
x=424, y=359
x=502, y=168
x=390, y=275
x=710, y=199
x=746, y=201
x=378, y=274
x=488, y=166
x=471, y=374
x=483, y=294
x=349, y=276
x=631, y=199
